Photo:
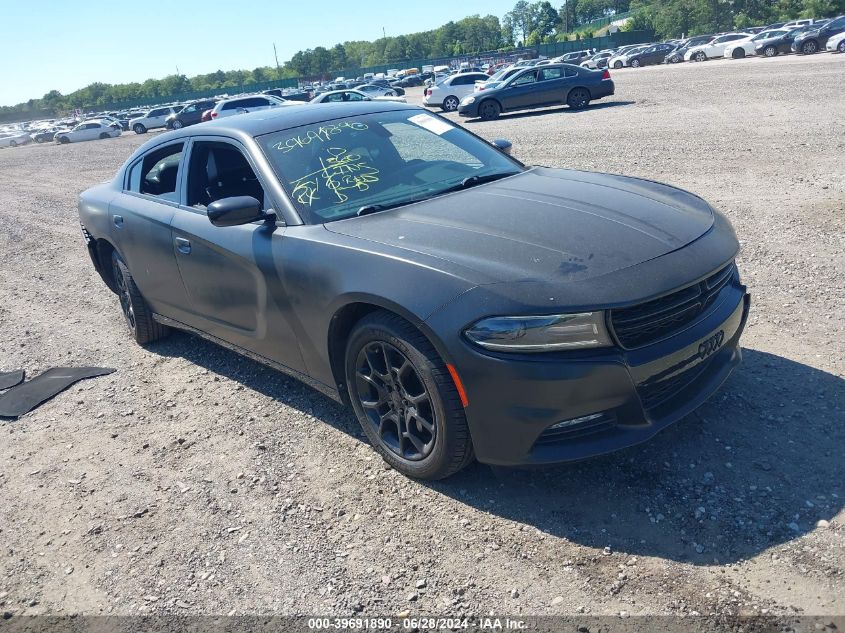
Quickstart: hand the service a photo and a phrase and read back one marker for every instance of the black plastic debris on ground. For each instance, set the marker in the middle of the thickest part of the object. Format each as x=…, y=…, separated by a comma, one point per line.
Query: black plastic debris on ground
x=21, y=399
x=9, y=379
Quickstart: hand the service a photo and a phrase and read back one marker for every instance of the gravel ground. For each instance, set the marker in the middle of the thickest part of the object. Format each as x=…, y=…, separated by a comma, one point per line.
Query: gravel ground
x=197, y=482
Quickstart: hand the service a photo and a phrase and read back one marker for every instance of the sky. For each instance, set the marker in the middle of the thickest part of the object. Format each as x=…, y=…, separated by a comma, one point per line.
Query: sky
x=65, y=46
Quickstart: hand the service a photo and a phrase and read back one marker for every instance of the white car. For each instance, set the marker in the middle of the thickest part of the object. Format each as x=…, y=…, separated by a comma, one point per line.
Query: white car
x=376, y=90
x=618, y=61
x=796, y=23
x=449, y=92
x=594, y=60
x=157, y=117
x=88, y=131
x=741, y=48
x=13, y=139
x=716, y=48
x=496, y=78
x=350, y=94
x=836, y=43
x=250, y=103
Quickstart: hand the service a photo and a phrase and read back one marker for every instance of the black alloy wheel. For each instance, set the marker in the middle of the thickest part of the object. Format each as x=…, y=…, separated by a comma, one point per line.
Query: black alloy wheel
x=808, y=48
x=578, y=98
x=489, y=110
x=405, y=399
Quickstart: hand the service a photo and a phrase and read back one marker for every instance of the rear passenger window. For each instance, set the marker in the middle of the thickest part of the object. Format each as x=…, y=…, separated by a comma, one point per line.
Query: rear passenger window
x=157, y=173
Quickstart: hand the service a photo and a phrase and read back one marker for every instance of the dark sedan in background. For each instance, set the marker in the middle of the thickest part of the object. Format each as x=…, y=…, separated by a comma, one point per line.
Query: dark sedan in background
x=780, y=45
x=539, y=87
x=191, y=114
x=814, y=40
x=461, y=303
x=652, y=55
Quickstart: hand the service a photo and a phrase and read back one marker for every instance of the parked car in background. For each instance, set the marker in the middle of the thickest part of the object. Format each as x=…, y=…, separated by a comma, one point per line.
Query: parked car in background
x=677, y=56
x=191, y=114
x=621, y=58
x=46, y=135
x=377, y=90
x=449, y=92
x=249, y=103
x=716, y=48
x=151, y=119
x=384, y=83
x=599, y=60
x=794, y=23
x=13, y=139
x=538, y=87
x=88, y=131
x=499, y=77
x=815, y=40
x=780, y=45
x=836, y=43
x=652, y=55
x=339, y=96
x=741, y=48
x=575, y=57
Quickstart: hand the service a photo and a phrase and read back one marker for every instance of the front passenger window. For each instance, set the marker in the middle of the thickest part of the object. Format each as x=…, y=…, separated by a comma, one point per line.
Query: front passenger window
x=219, y=170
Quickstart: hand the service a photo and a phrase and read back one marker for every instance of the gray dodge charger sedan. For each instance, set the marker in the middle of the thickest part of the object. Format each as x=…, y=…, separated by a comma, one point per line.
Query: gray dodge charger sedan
x=464, y=305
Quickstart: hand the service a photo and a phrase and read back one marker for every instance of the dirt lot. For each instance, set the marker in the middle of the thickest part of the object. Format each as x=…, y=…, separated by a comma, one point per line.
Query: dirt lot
x=195, y=481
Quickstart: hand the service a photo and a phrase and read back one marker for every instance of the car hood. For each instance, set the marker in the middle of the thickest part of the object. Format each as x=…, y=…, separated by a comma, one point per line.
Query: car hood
x=806, y=34
x=542, y=225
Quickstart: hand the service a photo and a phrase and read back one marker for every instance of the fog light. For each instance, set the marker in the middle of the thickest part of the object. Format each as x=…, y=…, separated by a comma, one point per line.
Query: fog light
x=574, y=421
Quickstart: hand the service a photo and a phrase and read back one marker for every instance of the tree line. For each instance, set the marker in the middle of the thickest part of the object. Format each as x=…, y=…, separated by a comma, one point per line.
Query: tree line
x=527, y=24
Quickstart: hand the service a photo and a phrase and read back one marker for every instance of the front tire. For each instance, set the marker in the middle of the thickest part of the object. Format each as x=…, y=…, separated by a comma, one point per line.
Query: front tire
x=64, y=140
x=489, y=110
x=635, y=63
x=617, y=65
x=176, y=125
x=104, y=136
x=808, y=48
x=738, y=53
x=700, y=56
x=770, y=51
x=405, y=399
x=450, y=104
x=13, y=144
x=136, y=312
x=841, y=46
x=578, y=98
x=138, y=128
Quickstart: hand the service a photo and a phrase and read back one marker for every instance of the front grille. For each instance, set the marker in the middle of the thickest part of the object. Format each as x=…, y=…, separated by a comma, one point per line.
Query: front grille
x=558, y=434
x=648, y=322
x=655, y=394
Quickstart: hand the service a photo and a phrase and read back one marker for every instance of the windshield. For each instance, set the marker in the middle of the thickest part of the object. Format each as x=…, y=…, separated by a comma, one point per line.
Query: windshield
x=334, y=169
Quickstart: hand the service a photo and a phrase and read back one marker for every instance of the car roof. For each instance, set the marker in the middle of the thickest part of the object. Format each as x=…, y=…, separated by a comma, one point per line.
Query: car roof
x=276, y=119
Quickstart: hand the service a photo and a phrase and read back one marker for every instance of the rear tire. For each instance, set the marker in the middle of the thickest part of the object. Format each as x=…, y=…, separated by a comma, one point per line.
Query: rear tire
x=137, y=313
x=578, y=98
x=450, y=104
x=489, y=110
x=405, y=398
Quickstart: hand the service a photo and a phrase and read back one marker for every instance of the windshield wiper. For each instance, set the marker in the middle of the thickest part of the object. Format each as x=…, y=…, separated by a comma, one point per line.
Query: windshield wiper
x=469, y=181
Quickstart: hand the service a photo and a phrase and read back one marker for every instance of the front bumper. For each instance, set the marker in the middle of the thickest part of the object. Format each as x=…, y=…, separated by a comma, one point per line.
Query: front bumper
x=624, y=396
x=469, y=110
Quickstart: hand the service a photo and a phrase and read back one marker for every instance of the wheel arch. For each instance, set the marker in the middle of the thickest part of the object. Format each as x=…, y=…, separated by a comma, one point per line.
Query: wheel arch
x=494, y=99
x=346, y=316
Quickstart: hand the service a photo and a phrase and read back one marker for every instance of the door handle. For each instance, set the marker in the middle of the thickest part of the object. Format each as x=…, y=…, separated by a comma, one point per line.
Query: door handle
x=118, y=221
x=183, y=245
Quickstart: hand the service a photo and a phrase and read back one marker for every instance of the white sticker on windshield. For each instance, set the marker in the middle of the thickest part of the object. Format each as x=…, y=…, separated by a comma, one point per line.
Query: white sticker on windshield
x=431, y=123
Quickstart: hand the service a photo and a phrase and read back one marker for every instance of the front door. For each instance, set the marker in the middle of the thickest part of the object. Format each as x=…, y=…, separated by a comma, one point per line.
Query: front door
x=233, y=275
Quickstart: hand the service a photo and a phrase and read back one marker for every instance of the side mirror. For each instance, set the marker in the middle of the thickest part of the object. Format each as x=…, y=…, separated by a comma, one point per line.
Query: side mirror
x=235, y=211
x=502, y=145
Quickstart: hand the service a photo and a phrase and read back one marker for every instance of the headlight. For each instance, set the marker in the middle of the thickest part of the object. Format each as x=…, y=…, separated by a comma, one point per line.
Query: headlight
x=468, y=100
x=540, y=333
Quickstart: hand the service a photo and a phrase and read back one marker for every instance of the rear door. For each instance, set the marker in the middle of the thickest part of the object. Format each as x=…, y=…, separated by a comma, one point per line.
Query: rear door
x=234, y=275
x=140, y=227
